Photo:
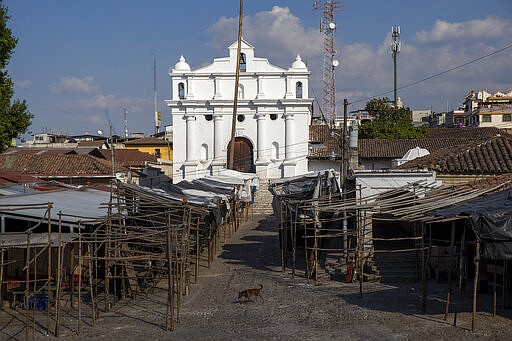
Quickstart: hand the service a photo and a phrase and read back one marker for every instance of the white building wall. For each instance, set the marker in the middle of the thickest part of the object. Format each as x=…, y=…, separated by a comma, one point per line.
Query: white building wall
x=276, y=122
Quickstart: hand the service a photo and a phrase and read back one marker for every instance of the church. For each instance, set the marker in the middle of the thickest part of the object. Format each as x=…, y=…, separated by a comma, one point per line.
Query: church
x=272, y=124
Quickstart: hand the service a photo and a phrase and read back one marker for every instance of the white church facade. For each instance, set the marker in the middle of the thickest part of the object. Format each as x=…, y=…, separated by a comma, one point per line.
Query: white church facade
x=273, y=116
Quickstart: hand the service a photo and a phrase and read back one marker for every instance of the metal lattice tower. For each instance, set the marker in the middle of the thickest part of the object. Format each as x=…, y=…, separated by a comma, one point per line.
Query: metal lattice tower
x=328, y=27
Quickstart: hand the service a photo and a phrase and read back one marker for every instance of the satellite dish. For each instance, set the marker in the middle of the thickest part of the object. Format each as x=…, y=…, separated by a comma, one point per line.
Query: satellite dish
x=332, y=25
x=100, y=132
x=335, y=62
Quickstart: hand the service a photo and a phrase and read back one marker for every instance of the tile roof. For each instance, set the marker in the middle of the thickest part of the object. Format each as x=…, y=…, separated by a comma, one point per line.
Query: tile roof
x=492, y=156
x=436, y=139
x=324, y=141
x=126, y=157
x=53, y=163
x=328, y=141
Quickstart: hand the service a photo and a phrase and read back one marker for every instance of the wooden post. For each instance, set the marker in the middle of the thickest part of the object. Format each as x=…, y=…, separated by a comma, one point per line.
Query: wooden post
x=71, y=278
x=49, y=270
x=294, y=239
x=59, y=275
x=2, y=280
x=423, y=271
x=305, y=224
x=281, y=235
x=475, y=285
x=494, y=292
x=315, y=251
x=79, y=279
x=107, y=256
x=27, y=289
x=93, y=302
x=196, y=270
x=34, y=295
x=448, y=296
x=172, y=259
x=169, y=275
x=461, y=270
x=360, y=244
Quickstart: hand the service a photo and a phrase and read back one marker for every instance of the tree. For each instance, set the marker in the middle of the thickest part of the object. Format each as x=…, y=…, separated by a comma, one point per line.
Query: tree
x=389, y=122
x=14, y=115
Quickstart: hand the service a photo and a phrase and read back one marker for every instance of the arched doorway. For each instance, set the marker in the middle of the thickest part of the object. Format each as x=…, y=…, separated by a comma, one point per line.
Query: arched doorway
x=243, y=157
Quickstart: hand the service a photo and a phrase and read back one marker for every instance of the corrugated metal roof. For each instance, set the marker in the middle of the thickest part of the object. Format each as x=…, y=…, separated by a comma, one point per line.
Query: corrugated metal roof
x=81, y=203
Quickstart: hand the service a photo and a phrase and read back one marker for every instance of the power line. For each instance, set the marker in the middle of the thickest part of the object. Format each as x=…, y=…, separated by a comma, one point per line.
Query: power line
x=509, y=45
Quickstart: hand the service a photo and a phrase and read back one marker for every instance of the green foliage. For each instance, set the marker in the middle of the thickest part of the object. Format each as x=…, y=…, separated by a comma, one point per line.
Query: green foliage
x=389, y=122
x=14, y=115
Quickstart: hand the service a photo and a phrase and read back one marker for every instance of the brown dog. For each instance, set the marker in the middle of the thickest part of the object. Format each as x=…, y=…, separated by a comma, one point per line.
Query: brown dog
x=253, y=292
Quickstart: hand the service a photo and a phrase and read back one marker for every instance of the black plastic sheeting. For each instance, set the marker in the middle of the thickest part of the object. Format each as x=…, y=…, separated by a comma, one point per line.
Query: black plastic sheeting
x=490, y=218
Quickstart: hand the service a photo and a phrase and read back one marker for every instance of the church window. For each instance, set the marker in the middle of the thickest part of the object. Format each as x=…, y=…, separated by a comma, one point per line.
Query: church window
x=240, y=118
x=240, y=91
x=275, y=151
x=204, y=152
x=298, y=90
x=273, y=117
x=243, y=64
x=208, y=117
x=181, y=90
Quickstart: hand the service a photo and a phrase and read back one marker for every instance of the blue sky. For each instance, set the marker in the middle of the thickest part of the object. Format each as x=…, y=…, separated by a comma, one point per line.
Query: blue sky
x=79, y=63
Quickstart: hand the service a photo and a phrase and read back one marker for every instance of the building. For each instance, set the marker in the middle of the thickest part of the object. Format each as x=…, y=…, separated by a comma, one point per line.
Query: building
x=485, y=109
x=273, y=114
x=160, y=148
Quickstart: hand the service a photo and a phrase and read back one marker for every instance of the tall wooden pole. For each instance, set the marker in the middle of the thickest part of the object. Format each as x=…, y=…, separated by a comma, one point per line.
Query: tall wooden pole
x=475, y=284
x=49, y=269
x=450, y=263
x=237, y=80
x=59, y=275
x=461, y=269
x=27, y=289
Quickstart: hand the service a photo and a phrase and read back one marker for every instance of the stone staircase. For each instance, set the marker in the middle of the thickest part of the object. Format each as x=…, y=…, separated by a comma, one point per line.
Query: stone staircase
x=263, y=200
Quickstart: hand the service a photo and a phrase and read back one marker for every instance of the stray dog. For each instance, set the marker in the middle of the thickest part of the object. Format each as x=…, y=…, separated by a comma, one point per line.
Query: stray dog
x=248, y=293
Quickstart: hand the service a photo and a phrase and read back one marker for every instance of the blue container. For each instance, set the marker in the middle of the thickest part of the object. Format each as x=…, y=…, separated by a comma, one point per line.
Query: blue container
x=41, y=303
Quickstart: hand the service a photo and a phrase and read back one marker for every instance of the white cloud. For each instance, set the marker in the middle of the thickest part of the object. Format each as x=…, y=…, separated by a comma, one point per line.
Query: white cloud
x=488, y=28
x=101, y=102
x=277, y=33
x=23, y=84
x=75, y=85
x=367, y=70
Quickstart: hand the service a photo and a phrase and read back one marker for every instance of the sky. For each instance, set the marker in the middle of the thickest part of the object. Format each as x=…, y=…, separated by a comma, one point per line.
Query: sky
x=79, y=64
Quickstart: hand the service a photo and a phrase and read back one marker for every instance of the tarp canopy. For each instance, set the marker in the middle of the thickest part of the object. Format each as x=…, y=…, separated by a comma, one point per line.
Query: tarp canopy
x=308, y=186
x=490, y=219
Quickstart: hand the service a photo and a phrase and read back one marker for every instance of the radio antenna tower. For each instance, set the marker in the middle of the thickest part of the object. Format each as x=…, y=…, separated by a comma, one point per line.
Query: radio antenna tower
x=395, y=50
x=328, y=27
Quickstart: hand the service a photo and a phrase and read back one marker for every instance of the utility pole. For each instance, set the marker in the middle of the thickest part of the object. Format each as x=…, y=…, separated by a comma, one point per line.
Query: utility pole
x=158, y=119
x=231, y=160
x=344, y=156
x=395, y=50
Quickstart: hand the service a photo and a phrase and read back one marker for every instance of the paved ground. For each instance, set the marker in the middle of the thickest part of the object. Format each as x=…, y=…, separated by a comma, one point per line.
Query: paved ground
x=291, y=309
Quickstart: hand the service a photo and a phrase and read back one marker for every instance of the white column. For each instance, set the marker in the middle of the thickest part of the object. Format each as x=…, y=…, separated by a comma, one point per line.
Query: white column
x=218, y=137
x=261, y=145
x=289, y=137
x=191, y=127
